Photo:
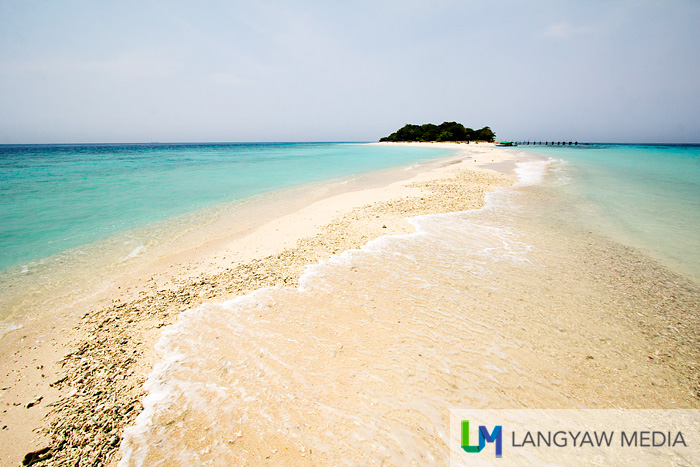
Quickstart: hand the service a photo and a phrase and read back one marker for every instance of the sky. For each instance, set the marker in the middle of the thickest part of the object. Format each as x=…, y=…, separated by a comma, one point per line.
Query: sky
x=266, y=70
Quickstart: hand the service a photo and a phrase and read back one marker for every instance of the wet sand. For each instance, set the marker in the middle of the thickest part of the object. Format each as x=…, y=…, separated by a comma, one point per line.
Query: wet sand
x=73, y=384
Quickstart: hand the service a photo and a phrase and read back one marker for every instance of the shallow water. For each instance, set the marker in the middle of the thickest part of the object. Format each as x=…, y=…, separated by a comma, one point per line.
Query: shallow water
x=361, y=364
x=57, y=197
x=72, y=218
x=646, y=196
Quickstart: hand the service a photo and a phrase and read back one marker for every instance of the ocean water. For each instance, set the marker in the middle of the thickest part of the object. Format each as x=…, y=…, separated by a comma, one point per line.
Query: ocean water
x=75, y=217
x=57, y=197
x=361, y=363
x=645, y=196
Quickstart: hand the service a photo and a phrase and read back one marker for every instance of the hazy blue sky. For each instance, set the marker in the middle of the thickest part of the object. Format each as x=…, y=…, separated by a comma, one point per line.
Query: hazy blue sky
x=138, y=71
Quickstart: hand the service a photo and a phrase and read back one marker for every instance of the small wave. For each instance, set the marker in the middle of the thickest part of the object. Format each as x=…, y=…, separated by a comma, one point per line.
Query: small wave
x=138, y=251
x=531, y=173
x=8, y=327
x=560, y=170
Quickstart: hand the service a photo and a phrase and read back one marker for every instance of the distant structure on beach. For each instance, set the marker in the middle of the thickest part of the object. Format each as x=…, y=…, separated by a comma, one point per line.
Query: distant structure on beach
x=547, y=143
x=446, y=131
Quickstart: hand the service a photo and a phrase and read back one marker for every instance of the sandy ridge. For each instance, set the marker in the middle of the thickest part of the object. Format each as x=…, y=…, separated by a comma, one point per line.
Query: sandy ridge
x=99, y=383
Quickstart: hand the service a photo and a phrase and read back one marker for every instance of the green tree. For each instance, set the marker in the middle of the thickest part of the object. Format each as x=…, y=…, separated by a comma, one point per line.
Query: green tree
x=446, y=131
x=485, y=134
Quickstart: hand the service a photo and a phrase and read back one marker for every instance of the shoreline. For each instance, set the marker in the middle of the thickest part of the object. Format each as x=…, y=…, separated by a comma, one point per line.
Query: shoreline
x=37, y=357
x=500, y=307
x=108, y=354
x=66, y=278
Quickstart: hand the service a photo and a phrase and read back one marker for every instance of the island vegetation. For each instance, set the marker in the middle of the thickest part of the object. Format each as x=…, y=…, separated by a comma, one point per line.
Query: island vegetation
x=446, y=131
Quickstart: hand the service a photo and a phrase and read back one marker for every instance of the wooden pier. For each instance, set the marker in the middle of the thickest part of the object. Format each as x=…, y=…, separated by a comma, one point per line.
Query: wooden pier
x=547, y=143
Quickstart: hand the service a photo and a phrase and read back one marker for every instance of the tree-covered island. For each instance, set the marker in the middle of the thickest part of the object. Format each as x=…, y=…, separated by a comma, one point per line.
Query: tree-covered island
x=447, y=131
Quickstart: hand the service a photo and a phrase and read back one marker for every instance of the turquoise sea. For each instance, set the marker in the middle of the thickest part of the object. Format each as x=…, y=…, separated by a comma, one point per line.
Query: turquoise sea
x=71, y=216
x=644, y=196
x=57, y=197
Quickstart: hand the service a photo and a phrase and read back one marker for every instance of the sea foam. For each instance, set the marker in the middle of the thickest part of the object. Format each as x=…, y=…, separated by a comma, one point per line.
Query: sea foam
x=342, y=352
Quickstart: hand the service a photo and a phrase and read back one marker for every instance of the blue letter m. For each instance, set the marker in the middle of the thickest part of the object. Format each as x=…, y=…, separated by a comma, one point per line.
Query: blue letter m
x=496, y=435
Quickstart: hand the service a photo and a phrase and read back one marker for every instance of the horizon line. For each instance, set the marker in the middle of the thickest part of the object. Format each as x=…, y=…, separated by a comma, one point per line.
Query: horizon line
x=322, y=142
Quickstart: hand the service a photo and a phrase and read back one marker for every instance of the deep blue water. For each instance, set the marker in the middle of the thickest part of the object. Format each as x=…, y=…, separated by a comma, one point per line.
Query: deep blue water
x=57, y=197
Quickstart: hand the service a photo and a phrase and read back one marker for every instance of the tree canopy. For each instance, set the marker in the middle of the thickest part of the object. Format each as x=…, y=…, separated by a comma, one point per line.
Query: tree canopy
x=447, y=131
